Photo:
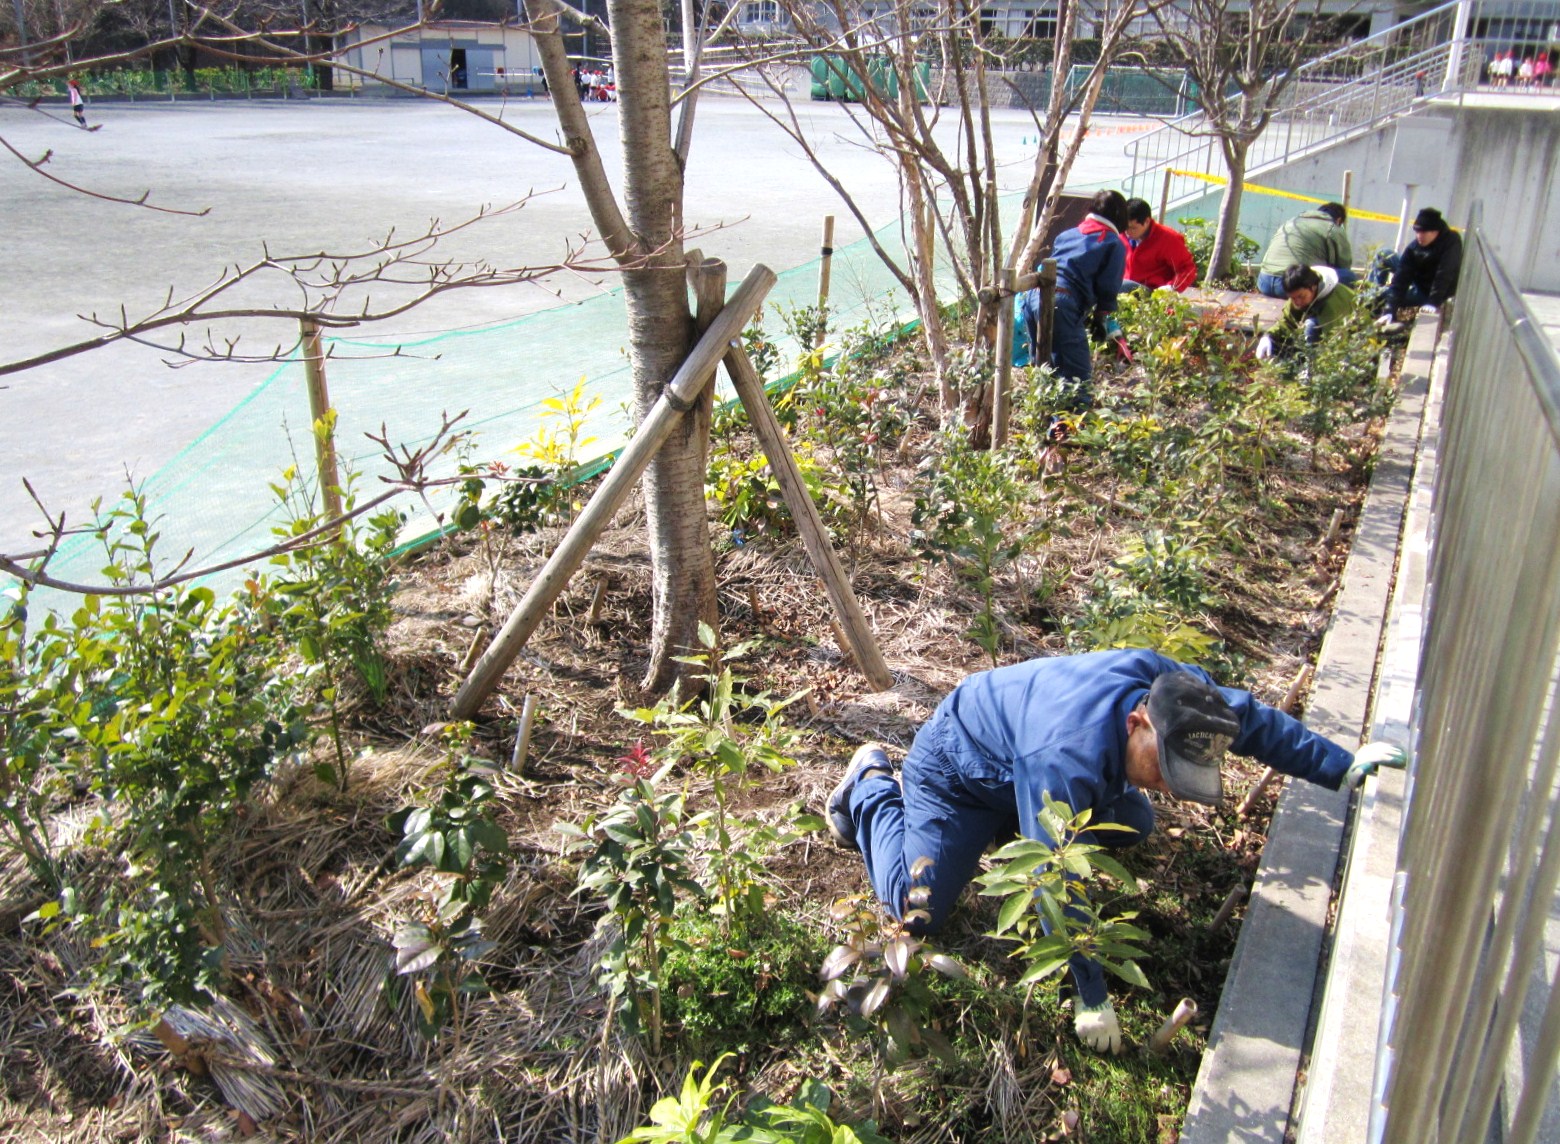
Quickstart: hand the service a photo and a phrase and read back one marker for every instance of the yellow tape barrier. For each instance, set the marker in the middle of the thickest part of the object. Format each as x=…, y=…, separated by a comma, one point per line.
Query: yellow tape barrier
x=1370, y=216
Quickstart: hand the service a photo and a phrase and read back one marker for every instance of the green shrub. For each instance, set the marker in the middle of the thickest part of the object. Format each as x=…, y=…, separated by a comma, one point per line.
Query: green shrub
x=969, y=513
x=177, y=711
x=1200, y=234
x=330, y=601
x=744, y=993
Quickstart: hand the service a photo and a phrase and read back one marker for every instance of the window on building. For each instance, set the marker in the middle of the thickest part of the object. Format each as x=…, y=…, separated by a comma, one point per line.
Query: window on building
x=760, y=12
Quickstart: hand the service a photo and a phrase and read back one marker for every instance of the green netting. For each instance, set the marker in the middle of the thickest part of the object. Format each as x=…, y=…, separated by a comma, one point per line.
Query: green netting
x=214, y=500
x=1136, y=91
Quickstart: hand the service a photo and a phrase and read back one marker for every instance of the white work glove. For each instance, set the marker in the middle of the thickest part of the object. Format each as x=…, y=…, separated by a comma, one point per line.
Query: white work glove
x=1096, y=1027
x=1165, y=289
x=1265, y=347
x=1427, y=311
x=1386, y=321
x=1372, y=757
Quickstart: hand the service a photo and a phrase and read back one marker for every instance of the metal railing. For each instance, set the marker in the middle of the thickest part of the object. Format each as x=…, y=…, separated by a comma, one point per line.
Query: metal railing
x=1479, y=858
x=1358, y=87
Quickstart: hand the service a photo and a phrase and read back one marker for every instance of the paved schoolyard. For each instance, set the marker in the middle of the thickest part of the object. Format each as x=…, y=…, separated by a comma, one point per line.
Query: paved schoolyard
x=296, y=176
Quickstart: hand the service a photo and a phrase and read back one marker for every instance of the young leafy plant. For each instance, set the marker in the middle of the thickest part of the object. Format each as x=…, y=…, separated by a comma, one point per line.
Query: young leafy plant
x=457, y=837
x=37, y=674
x=330, y=600
x=691, y=1117
x=176, y=712
x=968, y=513
x=1046, y=906
x=878, y=977
x=639, y=860
x=561, y=434
x=723, y=734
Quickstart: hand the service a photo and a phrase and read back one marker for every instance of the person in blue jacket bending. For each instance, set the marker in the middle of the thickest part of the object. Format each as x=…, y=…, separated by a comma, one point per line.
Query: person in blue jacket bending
x=1093, y=731
x=1091, y=260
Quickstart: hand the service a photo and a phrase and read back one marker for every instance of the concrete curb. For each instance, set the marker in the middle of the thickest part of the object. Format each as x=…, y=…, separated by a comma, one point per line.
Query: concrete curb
x=1246, y=1087
x=1337, y=1098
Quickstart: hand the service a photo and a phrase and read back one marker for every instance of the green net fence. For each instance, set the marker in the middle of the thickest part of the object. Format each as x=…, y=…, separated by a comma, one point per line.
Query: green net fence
x=214, y=499
x=1136, y=91
x=1264, y=208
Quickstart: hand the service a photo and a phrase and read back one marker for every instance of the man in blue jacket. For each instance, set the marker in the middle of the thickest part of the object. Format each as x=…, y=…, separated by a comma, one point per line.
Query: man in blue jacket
x=1090, y=262
x=1093, y=731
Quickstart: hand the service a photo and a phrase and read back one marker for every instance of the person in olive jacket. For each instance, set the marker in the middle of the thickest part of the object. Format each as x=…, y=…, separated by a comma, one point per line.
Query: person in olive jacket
x=1317, y=303
x=1315, y=238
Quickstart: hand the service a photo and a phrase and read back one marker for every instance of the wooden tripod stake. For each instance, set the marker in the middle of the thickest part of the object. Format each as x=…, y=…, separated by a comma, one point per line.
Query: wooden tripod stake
x=680, y=394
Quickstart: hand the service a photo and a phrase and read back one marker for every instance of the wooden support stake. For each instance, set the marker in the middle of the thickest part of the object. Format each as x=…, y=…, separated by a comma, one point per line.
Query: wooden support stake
x=1334, y=529
x=1047, y=311
x=679, y=395
x=1256, y=792
x=1291, y=698
x=1184, y=1012
x=1296, y=689
x=1164, y=196
x=1227, y=910
x=825, y=265
x=707, y=280
x=840, y=640
x=320, y=421
x=1002, y=397
x=523, y=735
x=1348, y=188
x=473, y=649
x=771, y=438
x=598, y=597
x=1021, y=283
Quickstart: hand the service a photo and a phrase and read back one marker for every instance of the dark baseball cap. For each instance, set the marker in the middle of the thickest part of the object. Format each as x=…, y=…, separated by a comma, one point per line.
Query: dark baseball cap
x=1195, y=726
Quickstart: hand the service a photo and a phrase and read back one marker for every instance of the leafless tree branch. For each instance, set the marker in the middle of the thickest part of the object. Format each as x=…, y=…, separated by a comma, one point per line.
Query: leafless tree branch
x=410, y=476
x=323, y=281
x=37, y=166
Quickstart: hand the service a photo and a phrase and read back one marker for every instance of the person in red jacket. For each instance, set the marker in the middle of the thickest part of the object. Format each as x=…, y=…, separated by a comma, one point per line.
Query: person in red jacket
x=1156, y=255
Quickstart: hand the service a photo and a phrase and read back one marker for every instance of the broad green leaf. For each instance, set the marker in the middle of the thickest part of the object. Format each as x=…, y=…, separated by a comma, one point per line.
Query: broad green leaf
x=896, y=955
x=1012, y=909
x=947, y=966
x=875, y=997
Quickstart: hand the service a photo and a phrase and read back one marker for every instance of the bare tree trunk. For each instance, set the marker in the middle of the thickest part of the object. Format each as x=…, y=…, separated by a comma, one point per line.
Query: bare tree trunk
x=645, y=237
x=660, y=329
x=1235, y=151
x=923, y=234
x=680, y=554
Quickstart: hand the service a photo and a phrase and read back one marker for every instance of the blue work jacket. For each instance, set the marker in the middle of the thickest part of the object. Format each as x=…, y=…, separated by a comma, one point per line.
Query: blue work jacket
x=1058, y=726
x=1090, y=262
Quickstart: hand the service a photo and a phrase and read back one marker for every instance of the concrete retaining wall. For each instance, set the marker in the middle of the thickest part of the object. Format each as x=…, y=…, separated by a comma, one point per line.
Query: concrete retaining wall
x=1246, y=1087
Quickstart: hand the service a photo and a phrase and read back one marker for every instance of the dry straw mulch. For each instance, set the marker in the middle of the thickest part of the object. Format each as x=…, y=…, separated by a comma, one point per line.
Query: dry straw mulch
x=308, y=1044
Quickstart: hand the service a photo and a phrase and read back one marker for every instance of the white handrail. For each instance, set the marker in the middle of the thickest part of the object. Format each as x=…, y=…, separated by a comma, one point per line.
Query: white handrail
x=1349, y=90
